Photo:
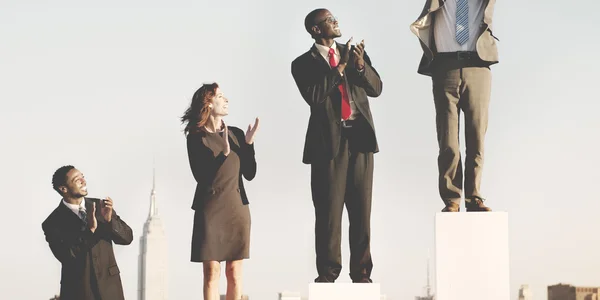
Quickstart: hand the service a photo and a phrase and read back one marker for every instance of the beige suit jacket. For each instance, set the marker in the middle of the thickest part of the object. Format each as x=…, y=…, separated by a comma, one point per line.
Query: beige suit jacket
x=423, y=29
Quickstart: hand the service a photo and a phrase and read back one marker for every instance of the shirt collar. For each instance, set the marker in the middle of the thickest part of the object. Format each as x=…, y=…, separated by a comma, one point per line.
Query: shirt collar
x=324, y=50
x=75, y=207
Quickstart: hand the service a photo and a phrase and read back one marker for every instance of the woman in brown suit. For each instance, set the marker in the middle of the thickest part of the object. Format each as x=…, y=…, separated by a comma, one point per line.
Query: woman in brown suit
x=219, y=156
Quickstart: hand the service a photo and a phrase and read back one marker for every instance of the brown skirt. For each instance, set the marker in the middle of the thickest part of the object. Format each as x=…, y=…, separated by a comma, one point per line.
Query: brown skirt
x=221, y=228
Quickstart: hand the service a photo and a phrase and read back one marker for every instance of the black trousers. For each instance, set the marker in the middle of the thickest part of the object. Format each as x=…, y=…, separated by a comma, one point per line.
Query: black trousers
x=346, y=179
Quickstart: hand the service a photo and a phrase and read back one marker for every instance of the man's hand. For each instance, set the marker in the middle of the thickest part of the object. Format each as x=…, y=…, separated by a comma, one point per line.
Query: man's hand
x=344, y=57
x=358, y=55
x=91, y=218
x=107, y=209
x=251, y=132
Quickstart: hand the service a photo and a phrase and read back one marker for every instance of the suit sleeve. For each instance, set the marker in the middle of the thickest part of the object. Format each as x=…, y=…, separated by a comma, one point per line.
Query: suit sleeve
x=369, y=79
x=203, y=163
x=120, y=232
x=314, y=87
x=67, y=248
x=247, y=156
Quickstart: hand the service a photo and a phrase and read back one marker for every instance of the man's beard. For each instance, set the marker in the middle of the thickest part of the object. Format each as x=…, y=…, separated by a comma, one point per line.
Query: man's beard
x=79, y=194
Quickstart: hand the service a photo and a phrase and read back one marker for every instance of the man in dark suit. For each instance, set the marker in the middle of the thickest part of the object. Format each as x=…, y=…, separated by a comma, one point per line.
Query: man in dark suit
x=80, y=233
x=458, y=50
x=335, y=79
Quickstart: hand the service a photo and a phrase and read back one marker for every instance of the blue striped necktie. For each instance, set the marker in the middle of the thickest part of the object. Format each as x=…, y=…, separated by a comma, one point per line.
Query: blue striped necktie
x=83, y=215
x=462, y=21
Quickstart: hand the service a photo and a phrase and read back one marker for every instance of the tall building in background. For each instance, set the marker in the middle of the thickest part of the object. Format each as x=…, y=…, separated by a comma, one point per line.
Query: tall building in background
x=569, y=292
x=244, y=297
x=428, y=294
x=152, y=268
x=525, y=293
x=289, y=296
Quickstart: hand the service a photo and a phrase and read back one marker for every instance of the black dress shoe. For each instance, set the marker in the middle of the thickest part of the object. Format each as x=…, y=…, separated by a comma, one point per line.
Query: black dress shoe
x=324, y=279
x=363, y=280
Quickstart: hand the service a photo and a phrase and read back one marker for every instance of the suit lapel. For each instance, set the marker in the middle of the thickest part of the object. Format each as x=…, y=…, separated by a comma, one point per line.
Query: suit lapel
x=67, y=216
x=436, y=4
x=431, y=6
x=489, y=11
x=318, y=57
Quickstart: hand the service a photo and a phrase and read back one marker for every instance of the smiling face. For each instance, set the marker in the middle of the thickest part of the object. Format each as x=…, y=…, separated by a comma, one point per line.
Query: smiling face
x=219, y=104
x=326, y=25
x=76, y=185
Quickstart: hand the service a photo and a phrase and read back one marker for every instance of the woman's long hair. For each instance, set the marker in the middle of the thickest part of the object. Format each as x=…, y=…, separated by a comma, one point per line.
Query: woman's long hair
x=197, y=114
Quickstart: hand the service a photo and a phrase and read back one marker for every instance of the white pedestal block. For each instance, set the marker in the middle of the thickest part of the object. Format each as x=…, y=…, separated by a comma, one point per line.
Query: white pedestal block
x=471, y=252
x=344, y=291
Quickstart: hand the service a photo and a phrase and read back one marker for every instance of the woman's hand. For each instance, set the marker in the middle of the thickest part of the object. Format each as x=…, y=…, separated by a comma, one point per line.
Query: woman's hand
x=225, y=140
x=251, y=132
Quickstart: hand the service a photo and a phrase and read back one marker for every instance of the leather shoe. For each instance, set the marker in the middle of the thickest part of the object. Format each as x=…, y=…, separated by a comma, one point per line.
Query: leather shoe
x=451, y=207
x=363, y=280
x=324, y=279
x=476, y=204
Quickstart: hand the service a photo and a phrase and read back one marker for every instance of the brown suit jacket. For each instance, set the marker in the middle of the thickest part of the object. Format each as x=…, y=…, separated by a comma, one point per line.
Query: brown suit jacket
x=423, y=29
x=88, y=261
x=318, y=85
x=205, y=163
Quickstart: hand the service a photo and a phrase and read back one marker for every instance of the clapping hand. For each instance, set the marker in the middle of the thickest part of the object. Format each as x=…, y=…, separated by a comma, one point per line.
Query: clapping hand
x=106, y=209
x=358, y=54
x=345, y=54
x=91, y=218
x=251, y=132
x=225, y=140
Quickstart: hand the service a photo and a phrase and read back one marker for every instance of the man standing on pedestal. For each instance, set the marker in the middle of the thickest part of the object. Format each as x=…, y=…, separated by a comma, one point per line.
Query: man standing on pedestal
x=459, y=48
x=335, y=79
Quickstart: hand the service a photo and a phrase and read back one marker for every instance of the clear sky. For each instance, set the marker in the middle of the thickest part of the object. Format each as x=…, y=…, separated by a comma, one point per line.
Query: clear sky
x=101, y=85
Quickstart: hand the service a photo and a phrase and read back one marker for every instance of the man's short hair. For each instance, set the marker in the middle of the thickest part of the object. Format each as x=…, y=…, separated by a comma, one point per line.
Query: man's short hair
x=309, y=21
x=60, y=177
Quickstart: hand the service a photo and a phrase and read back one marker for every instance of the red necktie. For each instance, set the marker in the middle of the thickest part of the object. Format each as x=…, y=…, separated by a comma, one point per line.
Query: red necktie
x=346, y=110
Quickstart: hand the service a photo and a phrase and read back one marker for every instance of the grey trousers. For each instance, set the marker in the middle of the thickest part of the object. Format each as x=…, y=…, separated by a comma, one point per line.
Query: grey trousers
x=468, y=90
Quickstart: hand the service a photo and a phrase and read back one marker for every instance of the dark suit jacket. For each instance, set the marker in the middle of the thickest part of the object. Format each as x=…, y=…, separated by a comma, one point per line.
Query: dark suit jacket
x=318, y=85
x=423, y=29
x=87, y=258
x=205, y=163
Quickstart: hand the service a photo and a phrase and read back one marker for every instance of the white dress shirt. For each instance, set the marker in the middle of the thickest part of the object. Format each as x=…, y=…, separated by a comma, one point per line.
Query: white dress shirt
x=445, y=26
x=75, y=207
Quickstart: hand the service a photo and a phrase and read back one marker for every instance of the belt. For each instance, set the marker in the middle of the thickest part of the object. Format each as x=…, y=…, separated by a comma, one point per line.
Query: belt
x=459, y=55
x=349, y=123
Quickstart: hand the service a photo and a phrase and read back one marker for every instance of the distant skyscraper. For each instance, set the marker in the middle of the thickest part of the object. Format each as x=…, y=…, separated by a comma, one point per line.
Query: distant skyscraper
x=152, y=269
x=525, y=293
x=289, y=296
x=428, y=295
x=570, y=292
